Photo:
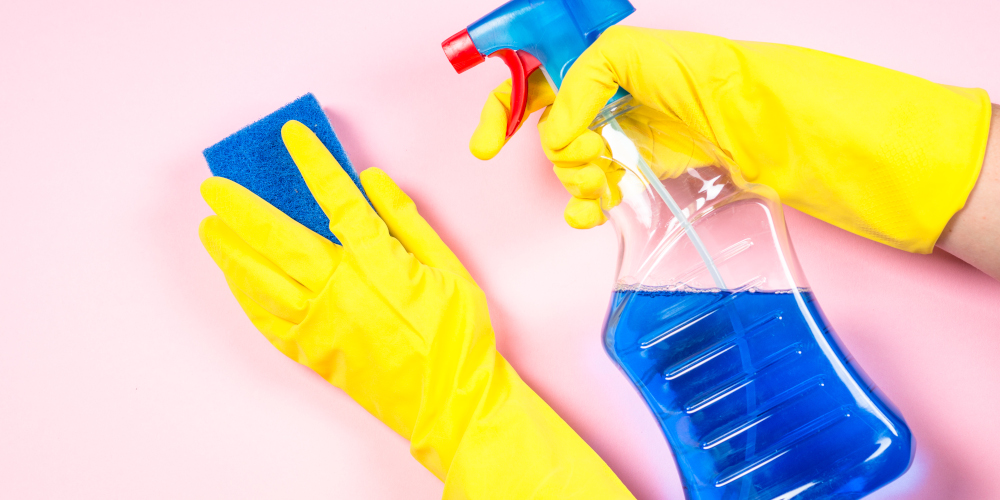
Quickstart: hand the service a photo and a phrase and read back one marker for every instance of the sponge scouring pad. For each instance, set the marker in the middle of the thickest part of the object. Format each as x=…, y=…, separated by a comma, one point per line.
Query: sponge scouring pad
x=256, y=158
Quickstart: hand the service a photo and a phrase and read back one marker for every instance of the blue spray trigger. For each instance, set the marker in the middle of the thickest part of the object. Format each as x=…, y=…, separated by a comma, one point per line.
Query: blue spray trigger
x=555, y=32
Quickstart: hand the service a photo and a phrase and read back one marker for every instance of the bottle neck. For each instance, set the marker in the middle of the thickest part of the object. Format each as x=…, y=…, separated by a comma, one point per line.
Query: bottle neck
x=669, y=177
x=613, y=109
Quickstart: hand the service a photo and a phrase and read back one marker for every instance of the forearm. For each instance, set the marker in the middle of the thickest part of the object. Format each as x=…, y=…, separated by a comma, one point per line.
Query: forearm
x=516, y=446
x=973, y=234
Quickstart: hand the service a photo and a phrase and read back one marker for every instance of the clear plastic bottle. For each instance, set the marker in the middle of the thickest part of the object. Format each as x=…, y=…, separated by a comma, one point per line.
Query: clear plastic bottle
x=711, y=317
x=713, y=322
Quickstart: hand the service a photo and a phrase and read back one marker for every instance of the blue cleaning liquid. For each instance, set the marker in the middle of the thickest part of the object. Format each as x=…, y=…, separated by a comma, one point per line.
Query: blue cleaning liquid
x=754, y=395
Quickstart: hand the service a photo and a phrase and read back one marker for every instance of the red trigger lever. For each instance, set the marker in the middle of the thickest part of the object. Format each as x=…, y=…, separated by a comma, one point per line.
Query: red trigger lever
x=522, y=65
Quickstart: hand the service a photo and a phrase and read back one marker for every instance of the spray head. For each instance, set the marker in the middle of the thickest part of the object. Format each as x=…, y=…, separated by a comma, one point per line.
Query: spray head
x=533, y=34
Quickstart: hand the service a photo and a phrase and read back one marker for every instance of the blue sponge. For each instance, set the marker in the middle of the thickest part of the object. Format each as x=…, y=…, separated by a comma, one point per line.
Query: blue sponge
x=256, y=158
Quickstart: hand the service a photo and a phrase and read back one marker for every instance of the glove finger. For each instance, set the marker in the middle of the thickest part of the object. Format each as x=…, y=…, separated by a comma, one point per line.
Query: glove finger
x=588, y=85
x=491, y=132
x=406, y=225
x=301, y=253
x=587, y=181
x=352, y=219
x=276, y=330
x=252, y=273
x=584, y=148
x=584, y=214
x=593, y=182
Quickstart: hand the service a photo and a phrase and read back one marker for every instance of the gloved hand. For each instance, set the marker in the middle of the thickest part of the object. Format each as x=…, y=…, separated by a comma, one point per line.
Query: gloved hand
x=882, y=154
x=394, y=319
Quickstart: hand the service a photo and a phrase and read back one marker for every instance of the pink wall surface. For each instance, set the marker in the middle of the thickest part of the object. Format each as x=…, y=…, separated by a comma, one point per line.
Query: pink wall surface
x=128, y=371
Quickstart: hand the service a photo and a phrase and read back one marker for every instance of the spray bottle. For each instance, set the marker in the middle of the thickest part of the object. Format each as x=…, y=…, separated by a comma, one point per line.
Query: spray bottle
x=711, y=317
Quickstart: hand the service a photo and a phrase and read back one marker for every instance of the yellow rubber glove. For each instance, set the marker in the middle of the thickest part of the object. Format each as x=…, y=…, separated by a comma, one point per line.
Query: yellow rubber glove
x=879, y=153
x=394, y=319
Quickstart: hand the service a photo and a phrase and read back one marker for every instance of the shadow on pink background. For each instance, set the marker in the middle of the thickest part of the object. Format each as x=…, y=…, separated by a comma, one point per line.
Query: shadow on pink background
x=127, y=370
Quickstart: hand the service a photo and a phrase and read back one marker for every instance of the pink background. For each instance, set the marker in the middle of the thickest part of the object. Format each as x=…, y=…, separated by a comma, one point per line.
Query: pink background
x=128, y=371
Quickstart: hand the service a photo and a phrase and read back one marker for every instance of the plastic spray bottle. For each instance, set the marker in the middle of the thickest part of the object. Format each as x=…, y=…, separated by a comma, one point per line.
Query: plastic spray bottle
x=711, y=317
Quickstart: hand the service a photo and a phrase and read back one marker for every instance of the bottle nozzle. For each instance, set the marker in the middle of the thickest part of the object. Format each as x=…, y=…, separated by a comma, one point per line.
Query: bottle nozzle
x=533, y=34
x=461, y=52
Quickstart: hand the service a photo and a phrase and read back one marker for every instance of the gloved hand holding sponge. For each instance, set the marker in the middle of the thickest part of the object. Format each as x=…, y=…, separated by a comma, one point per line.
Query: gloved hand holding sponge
x=882, y=154
x=394, y=319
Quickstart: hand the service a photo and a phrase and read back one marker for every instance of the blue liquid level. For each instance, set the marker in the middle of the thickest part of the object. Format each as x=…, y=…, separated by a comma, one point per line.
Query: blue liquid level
x=754, y=401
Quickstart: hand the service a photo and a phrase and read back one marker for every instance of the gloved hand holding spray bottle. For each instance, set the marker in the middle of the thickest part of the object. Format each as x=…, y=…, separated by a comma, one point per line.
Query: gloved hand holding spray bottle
x=711, y=318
